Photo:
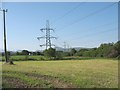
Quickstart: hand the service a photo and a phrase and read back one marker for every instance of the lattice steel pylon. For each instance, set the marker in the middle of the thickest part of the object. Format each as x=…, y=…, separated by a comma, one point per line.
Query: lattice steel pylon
x=47, y=37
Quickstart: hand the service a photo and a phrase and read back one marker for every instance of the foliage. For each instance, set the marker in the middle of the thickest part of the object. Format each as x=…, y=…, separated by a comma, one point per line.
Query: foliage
x=109, y=50
x=50, y=53
x=66, y=54
x=81, y=51
x=36, y=53
x=25, y=52
x=105, y=50
x=72, y=52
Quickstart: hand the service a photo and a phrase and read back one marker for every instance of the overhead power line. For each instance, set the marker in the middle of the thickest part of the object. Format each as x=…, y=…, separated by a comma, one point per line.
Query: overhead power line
x=100, y=26
x=91, y=14
x=93, y=41
x=73, y=9
x=92, y=34
x=89, y=35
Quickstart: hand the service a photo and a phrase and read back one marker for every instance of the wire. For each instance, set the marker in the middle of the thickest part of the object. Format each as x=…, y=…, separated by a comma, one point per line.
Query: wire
x=93, y=41
x=93, y=34
x=100, y=26
x=59, y=18
x=89, y=35
x=91, y=14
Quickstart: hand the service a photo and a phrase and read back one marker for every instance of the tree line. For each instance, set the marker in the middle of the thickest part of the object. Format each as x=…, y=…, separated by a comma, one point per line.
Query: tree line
x=107, y=50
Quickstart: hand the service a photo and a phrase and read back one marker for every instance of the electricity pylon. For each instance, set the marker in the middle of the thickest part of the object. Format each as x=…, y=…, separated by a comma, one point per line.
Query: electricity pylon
x=47, y=37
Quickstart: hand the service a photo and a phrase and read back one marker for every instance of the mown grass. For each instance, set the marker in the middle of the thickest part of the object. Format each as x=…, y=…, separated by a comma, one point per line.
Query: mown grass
x=68, y=73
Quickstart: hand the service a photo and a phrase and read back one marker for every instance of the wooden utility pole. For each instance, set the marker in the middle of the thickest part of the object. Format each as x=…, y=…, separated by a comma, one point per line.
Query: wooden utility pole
x=5, y=46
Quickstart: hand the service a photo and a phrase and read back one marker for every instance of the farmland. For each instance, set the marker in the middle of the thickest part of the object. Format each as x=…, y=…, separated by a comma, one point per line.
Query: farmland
x=95, y=73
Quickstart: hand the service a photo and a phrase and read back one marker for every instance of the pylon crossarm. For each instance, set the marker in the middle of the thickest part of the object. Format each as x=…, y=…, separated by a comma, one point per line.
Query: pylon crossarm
x=53, y=37
x=52, y=45
x=43, y=29
x=40, y=38
x=51, y=29
x=42, y=45
x=6, y=10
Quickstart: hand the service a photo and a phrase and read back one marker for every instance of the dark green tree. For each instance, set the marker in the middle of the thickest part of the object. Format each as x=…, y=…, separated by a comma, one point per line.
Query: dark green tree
x=72, y=52
x=50, y=53
x=81, y=52
x=25, y=52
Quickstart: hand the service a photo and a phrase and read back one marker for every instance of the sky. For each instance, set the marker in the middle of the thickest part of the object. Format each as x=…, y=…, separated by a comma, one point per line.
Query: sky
x=59, y=0
x=79, y=24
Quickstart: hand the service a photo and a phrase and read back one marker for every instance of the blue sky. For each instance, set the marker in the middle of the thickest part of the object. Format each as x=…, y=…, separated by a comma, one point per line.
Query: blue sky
x=78, y=24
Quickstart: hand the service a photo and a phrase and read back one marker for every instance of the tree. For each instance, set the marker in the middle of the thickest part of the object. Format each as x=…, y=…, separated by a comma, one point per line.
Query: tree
x=66, y=54
x=73, y=51
x=39, y=53
x=117, y=47
x=25, y=52
x=81, y=52
x=111, y=50
x=112, y=53
x=50, y=53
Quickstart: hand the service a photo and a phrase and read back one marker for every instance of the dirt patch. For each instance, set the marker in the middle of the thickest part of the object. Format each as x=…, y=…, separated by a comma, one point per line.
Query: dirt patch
x=13, y=83
x=52, y=82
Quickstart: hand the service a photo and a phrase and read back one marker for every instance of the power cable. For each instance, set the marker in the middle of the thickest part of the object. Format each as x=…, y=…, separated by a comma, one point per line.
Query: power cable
x=93, y=34
x=91, y=14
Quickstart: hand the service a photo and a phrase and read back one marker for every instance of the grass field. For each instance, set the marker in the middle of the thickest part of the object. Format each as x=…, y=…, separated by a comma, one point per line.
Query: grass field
x=25, y=58
x=98, y=73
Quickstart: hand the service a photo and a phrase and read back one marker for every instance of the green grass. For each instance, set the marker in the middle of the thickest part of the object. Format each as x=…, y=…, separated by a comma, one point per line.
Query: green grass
x=42, y=58
x=25, y=58
x=98, y=73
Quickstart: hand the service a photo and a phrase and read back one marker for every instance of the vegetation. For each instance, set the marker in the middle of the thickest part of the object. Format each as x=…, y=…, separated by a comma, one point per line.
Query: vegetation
x=110, y=50
x=50, y=53
x=95, y=73
x=72, y=52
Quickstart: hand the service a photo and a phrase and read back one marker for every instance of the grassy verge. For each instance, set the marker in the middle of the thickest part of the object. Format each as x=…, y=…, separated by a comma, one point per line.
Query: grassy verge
x=42, y=58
